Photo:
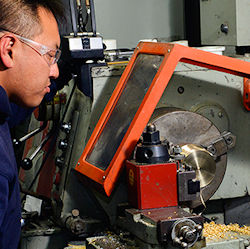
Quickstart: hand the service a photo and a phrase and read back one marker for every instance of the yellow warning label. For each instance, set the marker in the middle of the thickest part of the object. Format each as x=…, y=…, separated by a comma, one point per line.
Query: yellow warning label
x=131, y=177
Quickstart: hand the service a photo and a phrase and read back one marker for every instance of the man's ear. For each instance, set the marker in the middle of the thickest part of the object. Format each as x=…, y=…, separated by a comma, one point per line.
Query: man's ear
x=7, y=43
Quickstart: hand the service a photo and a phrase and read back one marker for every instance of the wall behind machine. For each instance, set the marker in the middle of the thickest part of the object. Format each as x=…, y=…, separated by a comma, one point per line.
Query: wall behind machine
x=132, y=20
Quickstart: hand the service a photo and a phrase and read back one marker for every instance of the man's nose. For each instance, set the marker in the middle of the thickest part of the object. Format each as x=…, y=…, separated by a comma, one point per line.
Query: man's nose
x=54, y=71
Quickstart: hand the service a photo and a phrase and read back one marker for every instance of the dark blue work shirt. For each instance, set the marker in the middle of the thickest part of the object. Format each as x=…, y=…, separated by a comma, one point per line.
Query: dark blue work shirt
x=10, y=205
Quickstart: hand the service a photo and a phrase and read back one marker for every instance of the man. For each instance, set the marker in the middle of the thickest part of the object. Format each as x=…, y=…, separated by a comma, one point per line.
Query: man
x=29, y=42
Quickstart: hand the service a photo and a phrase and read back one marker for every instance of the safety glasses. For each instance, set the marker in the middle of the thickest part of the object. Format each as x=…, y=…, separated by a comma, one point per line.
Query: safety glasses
x=51, y=55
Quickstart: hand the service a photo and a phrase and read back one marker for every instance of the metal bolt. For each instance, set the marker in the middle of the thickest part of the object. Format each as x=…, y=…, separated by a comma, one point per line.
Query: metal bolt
x=176, y=240
x=169, y=50
x=198, y=227
x=75, y=212
x=66, y=127
x=180, y=90
x=59, y=161
x=211, y=149
x=224, y=28
x=177, y=149
x=220, y=115
x=184, y=244
x=164, y=237
x=214, y=218
x=229, y=140
x=151, y=128
x=104, y=177
x=78, y=163
x=63, y=144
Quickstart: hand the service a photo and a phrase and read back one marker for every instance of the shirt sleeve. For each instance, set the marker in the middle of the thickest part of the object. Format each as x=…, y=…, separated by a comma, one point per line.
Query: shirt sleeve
x=4, y=193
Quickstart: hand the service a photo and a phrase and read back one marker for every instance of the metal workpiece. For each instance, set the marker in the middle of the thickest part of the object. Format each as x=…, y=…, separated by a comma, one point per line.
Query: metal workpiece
x=201, y=161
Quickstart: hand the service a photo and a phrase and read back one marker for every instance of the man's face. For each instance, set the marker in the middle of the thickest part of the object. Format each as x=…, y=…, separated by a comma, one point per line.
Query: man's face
x=32, y=74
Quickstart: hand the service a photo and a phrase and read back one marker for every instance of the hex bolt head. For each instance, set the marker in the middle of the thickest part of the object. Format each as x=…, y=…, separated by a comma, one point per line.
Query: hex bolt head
x=229, y=140
x=212, y=149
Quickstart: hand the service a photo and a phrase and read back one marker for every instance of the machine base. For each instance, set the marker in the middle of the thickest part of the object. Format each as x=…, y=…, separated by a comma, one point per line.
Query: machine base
x=154, y=226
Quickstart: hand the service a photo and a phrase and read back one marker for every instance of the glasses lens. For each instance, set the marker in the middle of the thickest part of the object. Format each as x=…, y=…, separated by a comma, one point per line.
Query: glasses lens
x=53, y=56
x=57, y=55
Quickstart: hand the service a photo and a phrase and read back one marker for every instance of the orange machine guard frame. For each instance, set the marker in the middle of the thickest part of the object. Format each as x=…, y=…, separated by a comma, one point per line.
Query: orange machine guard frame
x=173, y=54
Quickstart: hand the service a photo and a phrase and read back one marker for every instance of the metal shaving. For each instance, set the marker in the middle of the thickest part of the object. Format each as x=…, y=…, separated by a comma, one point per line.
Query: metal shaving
x=214, y=231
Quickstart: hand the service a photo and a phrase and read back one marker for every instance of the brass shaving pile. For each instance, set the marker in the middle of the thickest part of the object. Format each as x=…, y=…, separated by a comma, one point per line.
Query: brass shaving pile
x=214, y=231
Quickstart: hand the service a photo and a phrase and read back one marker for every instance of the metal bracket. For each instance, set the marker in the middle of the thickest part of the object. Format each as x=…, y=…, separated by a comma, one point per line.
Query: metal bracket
x=184, y=192
x=222, y=144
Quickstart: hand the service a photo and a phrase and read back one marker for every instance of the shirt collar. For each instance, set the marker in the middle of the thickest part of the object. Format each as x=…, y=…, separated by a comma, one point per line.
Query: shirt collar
x=5, y=110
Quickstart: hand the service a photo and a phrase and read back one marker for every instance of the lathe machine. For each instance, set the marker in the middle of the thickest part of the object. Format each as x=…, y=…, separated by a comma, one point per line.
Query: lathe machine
x=167, y=153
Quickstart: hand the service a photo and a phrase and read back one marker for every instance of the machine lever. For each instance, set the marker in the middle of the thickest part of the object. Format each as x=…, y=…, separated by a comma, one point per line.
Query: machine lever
x=26, y=163
x=17, y=142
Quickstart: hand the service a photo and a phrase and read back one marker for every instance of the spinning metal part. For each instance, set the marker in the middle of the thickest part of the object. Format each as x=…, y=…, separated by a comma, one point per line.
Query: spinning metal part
x=201, y=161
x=194, y=133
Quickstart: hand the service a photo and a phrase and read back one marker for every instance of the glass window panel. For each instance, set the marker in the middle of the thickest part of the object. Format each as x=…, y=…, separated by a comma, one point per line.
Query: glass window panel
x=139, y=81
